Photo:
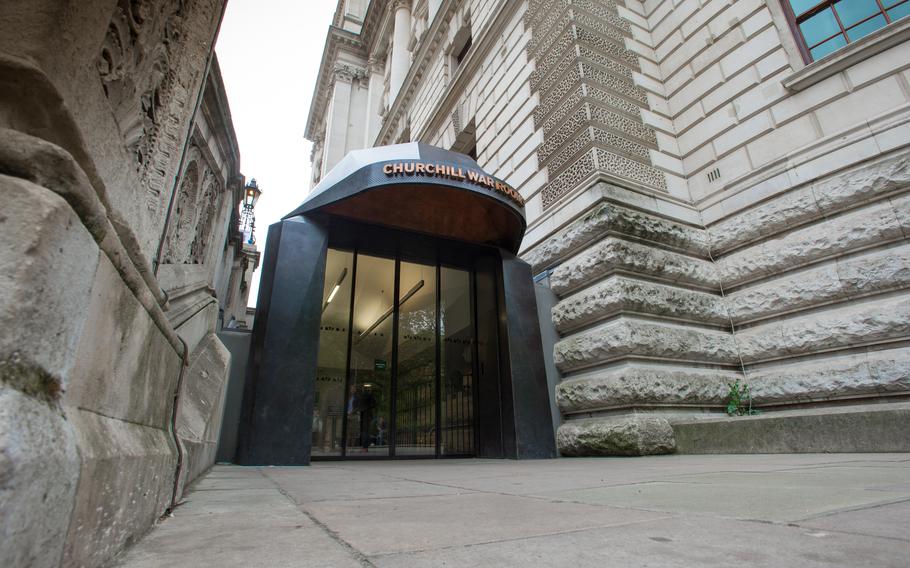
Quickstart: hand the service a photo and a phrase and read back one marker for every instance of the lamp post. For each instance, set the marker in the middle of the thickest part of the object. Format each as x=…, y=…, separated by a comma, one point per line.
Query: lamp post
x=251, y=195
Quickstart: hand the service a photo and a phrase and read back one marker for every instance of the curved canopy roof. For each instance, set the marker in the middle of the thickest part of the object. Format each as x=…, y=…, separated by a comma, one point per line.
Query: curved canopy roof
x=418, y=187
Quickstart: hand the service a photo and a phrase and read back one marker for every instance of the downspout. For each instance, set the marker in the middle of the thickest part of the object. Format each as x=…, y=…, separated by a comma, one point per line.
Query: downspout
x=184, y=365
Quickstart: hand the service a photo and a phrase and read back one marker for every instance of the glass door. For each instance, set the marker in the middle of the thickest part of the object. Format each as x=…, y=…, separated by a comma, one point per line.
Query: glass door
x=415, y=400
x=397, y=359
x=369, y=398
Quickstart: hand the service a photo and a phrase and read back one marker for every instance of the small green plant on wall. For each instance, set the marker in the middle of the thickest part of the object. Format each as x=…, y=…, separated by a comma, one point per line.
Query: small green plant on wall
x=739, y=400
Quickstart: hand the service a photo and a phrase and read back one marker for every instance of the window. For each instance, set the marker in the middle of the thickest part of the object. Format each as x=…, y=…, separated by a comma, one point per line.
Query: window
x=824, y=27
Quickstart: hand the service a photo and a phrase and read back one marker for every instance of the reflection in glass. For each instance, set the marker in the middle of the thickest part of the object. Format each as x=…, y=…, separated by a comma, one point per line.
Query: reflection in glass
x=415, y=407
x=828, y=47
x=369, y=392
x=332, y=357
x=853, y=11
x=899, y=12
x=820, y=26
x=456, y=362
x=800, y=6
x=866, y=28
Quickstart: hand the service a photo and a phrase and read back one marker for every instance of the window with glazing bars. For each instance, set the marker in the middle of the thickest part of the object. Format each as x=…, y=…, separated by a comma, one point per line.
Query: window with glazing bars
x=824, y=27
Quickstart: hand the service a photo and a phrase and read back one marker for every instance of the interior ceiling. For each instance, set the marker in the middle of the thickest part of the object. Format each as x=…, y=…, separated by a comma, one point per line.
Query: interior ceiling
x=435, y=210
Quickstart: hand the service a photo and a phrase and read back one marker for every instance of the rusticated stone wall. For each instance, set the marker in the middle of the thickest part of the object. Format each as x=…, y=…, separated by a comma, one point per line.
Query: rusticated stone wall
x=775, y=253
x=804, y=298
x=590, y=107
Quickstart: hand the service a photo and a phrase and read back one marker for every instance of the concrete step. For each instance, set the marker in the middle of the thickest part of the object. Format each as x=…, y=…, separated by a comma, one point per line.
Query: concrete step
x=857, y=428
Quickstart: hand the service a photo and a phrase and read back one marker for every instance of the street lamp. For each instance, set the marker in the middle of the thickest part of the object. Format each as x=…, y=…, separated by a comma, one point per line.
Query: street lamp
x=251, y=195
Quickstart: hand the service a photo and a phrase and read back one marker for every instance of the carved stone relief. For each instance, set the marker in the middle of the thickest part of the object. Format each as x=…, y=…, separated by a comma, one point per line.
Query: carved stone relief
x=147, y=74
x=193, y=216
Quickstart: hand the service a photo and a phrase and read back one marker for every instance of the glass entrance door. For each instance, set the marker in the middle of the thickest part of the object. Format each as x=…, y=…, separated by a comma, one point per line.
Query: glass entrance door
x=397, y=357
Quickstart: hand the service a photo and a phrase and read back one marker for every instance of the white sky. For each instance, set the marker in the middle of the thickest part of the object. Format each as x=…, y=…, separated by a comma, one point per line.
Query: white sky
x=269, y=52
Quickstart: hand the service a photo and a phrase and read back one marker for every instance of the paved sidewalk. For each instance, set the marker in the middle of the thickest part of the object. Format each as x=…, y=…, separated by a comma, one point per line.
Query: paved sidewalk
x=773, y=510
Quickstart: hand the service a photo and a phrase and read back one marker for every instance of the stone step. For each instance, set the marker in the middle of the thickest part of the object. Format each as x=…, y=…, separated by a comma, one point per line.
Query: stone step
x=856, y=428
x=619, y=294
x=627, y=337
x=612, y=255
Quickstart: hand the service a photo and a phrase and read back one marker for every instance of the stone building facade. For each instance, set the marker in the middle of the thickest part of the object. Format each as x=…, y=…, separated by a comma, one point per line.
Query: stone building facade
x=708, y=205
x=119, y=173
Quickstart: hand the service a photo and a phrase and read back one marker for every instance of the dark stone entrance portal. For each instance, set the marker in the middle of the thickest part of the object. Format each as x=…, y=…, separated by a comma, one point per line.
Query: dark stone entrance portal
x=394, y=319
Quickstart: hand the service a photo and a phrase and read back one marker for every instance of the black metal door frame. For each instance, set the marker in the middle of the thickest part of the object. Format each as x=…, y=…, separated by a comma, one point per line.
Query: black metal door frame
x=393, y=422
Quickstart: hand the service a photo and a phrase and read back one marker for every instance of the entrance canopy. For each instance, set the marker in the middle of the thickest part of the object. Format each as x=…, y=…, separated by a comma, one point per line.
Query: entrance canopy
x=418, y=187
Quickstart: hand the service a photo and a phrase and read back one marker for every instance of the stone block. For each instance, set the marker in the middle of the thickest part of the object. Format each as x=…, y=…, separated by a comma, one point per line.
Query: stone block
x=863, y=428
x=619, y=294
x=836, y=193
x=627, y=337
x=612, y=255
x=861, y=323
x=807, y=203
x=792, y=292
x=201, y=407
x=884, y=372
x=47, y=265
x=873, y=225
x=609, y=218
x=635, y=385
x=125, y=484
x=124, y=365
x=631, y=435
x=39, y=469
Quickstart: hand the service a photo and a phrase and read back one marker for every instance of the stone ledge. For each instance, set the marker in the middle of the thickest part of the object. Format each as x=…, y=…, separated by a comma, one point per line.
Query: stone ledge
x=842, y=327
x=612, y=255
x=874, y=225
x=881, y=373
x=631, y=435
x=619, y=294
x=201, y=408
x=866, y=428
x=126, y=483
x=609, y=217
x=635, y=386
x=842, y=280
x=810, y=202
x=636, y=338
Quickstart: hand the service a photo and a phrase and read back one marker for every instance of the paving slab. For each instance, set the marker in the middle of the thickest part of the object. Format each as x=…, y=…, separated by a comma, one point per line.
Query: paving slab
x=679, y=542
x=752, y=510
x=417, y=523
x=888, y=521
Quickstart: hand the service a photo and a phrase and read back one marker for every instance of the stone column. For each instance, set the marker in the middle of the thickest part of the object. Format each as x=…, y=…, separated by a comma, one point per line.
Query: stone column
x=336, y=129
x=401, y=58
x=375, y=71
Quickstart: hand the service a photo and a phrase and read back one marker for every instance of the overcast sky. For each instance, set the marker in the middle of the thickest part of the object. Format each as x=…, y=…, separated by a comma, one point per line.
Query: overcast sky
x=269, y=52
